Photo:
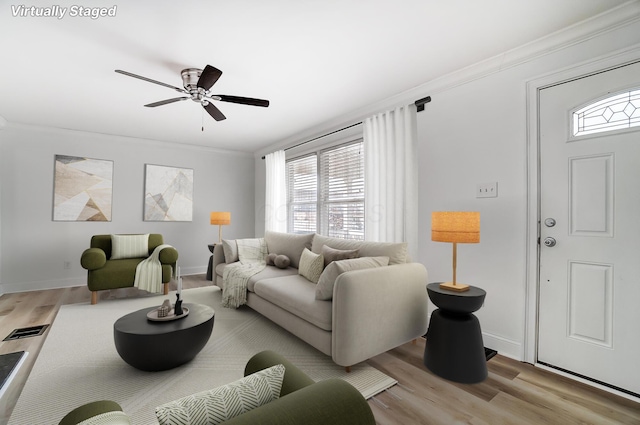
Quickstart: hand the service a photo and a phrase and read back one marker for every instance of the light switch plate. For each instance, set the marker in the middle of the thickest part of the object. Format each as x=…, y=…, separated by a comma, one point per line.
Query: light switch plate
x=487, y=190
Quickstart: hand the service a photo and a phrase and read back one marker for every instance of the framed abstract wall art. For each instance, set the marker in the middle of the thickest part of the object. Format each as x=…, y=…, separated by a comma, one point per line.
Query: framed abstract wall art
x=168, y=193
x=82, y=189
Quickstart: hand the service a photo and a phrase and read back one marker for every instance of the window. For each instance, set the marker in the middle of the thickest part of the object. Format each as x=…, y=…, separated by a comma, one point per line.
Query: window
x=620, y=111
x=325, y=192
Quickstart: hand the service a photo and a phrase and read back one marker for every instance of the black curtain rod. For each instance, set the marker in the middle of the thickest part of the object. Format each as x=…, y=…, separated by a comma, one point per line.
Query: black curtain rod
x=320, y=137
x=419, y=103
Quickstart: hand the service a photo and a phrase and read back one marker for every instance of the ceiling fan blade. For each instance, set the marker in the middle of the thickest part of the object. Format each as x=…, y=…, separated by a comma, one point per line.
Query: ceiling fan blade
x=242, y=100
x=164, y=102
x=150, y=80
x=214, y=112
x=209, y=77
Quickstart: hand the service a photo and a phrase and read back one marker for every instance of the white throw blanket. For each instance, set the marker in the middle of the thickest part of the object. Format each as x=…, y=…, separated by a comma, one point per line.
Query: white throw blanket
x=149, y=272
x=252, y=254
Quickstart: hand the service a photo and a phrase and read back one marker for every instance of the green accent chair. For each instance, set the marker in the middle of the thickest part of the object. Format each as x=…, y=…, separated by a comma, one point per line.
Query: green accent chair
x=302, y=401
x=104, y=273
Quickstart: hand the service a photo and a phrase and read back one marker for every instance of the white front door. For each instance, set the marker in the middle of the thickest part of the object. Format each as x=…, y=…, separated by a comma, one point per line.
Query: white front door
x=589, y=300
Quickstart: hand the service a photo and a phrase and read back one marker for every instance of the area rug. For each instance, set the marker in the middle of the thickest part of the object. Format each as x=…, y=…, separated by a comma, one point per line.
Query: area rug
x=78, y=362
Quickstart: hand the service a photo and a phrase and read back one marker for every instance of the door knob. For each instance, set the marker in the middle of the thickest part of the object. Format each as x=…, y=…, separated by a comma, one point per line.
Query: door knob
x=549, y=241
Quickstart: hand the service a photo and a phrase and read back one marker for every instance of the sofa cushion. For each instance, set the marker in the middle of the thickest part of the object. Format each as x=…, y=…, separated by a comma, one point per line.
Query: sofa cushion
x=223, y=403
x=332, y=254
x=129, y=246
x=268, y=273
x=324, y=288
x=296, y=295
x=311, y=265
x=397, y=252
x=230, y=249
x=288, y=244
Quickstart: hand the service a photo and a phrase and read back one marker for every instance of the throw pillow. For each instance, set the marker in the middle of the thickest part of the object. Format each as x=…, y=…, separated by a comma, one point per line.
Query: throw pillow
x=129, y=246
x=282, y=261
x=324, y=289
x=271, y=259
x=230, y=249
x=288, y=244
x=311, y=265
x=332, y=254
x=223, y=403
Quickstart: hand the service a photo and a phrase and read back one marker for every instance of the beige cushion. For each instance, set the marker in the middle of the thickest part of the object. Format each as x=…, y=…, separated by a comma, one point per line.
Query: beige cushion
x=296, y=295
x=324, y=288
x=230, y=248
x=268, y=273
x=311, y=265
x=331, y=254
x=129, y=246
x=223, y=403
x=288, y=244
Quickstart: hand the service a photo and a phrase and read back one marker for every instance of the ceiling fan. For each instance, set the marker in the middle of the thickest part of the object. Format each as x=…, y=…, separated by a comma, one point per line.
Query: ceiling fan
x=197, y=83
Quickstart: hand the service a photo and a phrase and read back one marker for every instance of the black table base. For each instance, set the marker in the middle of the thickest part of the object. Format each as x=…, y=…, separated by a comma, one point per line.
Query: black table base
x=454, y=348
x=154, y=346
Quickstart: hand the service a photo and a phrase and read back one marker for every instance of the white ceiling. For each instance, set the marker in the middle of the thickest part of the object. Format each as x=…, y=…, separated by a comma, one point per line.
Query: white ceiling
x=314, y=60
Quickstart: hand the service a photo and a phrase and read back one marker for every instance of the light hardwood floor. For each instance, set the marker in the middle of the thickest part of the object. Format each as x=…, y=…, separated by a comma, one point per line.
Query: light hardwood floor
x=514, y=392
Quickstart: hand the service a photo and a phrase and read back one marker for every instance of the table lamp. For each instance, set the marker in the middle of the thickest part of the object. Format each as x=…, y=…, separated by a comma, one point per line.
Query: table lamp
x=221, y=219
x=456, y=227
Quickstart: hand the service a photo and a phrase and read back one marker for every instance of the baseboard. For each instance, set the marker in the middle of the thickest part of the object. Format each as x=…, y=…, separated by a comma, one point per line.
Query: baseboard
x=8, y=288
x=505, y=347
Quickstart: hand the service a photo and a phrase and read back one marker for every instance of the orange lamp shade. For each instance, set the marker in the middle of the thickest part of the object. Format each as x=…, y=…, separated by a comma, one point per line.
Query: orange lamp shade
x=455, y=226
x=220, y=218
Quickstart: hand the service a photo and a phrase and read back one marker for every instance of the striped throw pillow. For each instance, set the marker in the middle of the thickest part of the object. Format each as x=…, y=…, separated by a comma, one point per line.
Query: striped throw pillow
x=223, y=403
x=129, y=246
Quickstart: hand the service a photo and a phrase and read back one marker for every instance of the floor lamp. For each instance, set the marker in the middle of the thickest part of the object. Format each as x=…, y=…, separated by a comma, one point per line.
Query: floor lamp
x=221, y=219
x=455, y=227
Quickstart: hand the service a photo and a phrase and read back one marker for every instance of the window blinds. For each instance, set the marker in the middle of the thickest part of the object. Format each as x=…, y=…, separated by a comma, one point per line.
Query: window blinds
x=325, y=192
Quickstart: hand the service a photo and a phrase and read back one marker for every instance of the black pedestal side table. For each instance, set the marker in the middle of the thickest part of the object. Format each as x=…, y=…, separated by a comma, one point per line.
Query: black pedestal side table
x=210, y=268
x=454, y=348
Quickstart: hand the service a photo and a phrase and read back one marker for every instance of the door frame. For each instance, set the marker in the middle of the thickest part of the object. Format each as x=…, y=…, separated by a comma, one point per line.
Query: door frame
x=532, y=263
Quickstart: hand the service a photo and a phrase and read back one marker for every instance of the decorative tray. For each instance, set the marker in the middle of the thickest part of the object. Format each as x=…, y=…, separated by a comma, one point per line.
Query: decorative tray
x=153, y=315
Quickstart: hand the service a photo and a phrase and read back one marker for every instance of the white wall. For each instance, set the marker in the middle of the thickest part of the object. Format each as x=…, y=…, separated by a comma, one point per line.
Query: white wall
x=475, y=131
x=33, y=248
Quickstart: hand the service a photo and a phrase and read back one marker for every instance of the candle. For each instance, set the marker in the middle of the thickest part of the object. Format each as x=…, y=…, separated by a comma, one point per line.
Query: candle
x=179, y=282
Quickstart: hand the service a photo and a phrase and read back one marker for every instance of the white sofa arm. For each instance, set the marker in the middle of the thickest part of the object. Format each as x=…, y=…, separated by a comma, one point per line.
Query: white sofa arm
x=375, y=310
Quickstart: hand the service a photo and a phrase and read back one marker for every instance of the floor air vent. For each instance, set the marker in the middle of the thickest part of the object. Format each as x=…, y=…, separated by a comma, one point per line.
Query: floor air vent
x=26, y=332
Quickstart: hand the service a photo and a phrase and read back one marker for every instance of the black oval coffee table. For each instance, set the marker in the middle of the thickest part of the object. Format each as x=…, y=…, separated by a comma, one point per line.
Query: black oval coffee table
x=161, y=345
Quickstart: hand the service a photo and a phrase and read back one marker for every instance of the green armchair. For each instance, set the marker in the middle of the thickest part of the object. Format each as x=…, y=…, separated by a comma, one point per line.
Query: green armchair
x=302, y=401
x=105, y=273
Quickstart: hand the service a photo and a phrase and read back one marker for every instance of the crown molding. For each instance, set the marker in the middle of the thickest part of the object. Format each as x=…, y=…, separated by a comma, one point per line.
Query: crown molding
x=611, y=20
x=111, y=137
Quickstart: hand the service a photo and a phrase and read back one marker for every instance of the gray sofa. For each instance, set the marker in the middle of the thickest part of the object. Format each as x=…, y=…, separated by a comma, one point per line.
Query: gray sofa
x=372, y=310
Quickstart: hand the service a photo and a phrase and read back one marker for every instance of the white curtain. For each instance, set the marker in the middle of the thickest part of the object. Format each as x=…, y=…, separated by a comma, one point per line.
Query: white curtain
x=275, y=211
x=391, y=177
